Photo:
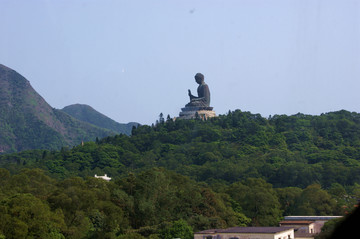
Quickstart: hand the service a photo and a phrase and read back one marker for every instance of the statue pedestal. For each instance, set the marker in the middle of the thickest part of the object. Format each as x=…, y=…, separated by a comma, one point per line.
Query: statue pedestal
x=193, y=112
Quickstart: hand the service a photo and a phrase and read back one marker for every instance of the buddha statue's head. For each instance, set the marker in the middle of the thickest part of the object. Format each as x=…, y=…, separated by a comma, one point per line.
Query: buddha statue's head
x=199, y=78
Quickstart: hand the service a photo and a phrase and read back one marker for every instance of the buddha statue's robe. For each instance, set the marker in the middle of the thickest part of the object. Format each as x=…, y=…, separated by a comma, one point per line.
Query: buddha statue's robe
x=203, y=98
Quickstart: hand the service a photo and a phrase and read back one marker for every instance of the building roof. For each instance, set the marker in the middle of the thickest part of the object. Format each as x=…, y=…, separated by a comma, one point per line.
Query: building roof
x=265, y=230
x=310, y=218
x=295, y=222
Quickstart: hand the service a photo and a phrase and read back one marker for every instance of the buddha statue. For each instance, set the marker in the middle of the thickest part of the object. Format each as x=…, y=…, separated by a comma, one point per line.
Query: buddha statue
x=203, y=98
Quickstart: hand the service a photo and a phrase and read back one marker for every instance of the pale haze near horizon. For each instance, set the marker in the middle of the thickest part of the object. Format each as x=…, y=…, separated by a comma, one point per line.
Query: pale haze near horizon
x=132, y=60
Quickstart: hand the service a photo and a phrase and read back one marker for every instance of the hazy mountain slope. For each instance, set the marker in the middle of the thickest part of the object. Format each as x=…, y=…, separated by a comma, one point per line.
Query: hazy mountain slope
x=27, y=121
x=88, y=114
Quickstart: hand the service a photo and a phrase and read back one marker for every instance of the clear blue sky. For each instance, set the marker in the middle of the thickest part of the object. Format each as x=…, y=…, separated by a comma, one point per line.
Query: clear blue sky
x=132, y=60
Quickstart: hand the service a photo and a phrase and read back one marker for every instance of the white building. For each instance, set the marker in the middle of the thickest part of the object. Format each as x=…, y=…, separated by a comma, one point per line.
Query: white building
x=247, y=233
x=306, y=227
x=293, y=227
x=300, y=225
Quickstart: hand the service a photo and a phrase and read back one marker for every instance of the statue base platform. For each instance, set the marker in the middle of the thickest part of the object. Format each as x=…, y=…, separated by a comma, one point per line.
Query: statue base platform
x=193, y=112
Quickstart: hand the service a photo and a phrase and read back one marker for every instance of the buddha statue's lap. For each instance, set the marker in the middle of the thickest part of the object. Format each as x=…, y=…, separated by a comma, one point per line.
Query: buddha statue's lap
x=197, y=103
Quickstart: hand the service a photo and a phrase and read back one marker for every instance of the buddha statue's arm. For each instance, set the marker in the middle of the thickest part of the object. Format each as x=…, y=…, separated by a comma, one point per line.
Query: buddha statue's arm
x=193, y=97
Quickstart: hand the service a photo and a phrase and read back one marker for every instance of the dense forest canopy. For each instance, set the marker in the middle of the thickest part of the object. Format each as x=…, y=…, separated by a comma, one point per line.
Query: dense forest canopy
x=175, y=176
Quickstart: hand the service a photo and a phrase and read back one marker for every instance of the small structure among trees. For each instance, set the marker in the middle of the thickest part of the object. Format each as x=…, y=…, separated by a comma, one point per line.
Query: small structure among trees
x=105, y=177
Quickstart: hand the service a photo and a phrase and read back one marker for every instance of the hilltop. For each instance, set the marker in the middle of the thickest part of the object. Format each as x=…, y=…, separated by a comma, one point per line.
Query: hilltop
x=29, y=122
x=87, y=114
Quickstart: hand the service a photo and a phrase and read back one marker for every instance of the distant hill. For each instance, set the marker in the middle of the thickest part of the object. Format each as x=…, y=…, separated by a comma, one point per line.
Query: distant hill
x=27, y=121
x=88, y=114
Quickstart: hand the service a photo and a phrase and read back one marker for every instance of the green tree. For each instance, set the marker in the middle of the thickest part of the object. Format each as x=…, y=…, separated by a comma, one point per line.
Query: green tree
x=25, y=216
x=131, y=235
x=258, y=200
x=315, y=201
x=288, y=197
x=178, y=229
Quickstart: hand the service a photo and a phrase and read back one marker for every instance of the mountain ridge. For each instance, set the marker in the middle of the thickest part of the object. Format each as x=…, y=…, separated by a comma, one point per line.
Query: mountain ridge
x=29, y=122
x=88, y=114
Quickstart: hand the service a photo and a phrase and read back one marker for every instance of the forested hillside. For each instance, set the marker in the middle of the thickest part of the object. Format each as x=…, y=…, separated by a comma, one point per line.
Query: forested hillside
x=236, y=169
